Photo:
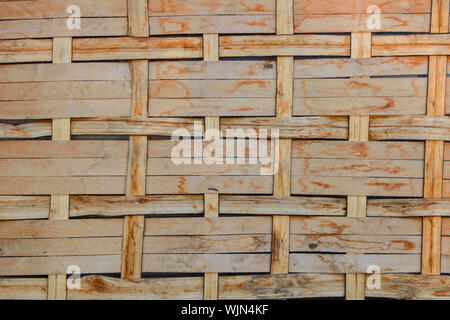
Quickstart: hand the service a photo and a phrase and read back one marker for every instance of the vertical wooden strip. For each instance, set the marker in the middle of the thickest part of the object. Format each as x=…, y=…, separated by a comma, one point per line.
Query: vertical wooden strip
x=434, y=150
x=133, y=227
x=211, y=47
x=361, y=47
x=282, y=178
x=59, y=204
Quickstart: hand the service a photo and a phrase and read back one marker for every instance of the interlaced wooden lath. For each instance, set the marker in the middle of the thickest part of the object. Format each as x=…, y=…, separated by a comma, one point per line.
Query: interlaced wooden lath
x=88, y=181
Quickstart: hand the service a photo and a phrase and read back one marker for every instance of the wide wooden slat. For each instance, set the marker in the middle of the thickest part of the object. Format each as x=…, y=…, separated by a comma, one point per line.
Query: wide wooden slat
x=408, y=207
x=23, y=208
x=27, y=50
x=411, y=45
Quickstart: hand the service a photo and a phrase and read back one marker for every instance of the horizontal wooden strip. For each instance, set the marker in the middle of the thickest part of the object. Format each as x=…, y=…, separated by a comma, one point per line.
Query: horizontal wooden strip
x=266, y=205
x=359, y=106
x=207, y=244
x=60, y=247
x=150, y=126
x=22, y=208
x=13, y=10
x=63, y=149
x=136, y=48
x=360, y=6
x=166, y=167
x=105, y=288
x=27, y=50
x=208, y=184
x=210, y=7
x=357, y=168
x=27, y=130
x=413, y=45
x=416, y=87
x=47, y=229
x=23, y=289
x=212, y=24
x=355, y=244
x=111, y=206
x=98, y=71
x=412, y=287
x=408, y=207
x=48, y=28
x=358, y=150
x=297, y=128
x=66, y=90
x=387, y=187
x=346, y=67
x=196, y=263
x=212, y=88
x=281, y=286
x=207, y=226
x=409, y=128
x=30, y=110
x=58, y=265
x=61, y=185
x=212, y=107
x=63, y=167
x=354, y=263
x=358, y=22
x=356, y=226
x=208, y=70
x=284, y=45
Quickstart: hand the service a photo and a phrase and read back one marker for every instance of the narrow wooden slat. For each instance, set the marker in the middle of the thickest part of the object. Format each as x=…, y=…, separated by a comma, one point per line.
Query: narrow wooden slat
x=414, y=45
x=23, y=289
x=408, y=207
x=133, y=236
x=281, y=286
x=23, y=208
x=103, y=288
x=27, y=50
x=138, y=18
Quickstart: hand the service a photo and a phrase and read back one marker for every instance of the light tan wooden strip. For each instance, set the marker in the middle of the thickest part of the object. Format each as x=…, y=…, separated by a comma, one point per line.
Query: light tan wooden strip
x=445, y=246
x=360, y=106
x=208, y=226
x=61, y=185
x=194, y=263
x=103, y=288
x=361, y=45
x=354, y=67
x=138, y=18
x=26, y=130
x=267, y=205
x=431, y=245
x=132, y=243
x=23, y=208
x=280, y=245
x=281, y=286
x=357, y=168
x=355, y=244
x=62, y=50
x=357, y=22
x=23, y=289
x=360, y=6
x=137, y=166
x=111, y=206
x=212, y=88
x=446, y=189
x=58, y=265
x=358, y=150
x=57, y=8
x=356, y=226
x=322, y=88
x=210, y=7
x=80, y=90
x=300, y=128
x=415, y=45
x=446, y=173
x=60, y=247
x=445, y=227
x=212, y=70
x=192, y=24
x=409, y=128
x=200, y=107
x=208, y=184
x=46, y=28
x=408, y=207
x=284, y=45
x=412, y=287
x=392, y=187
x=150, y=126
x=85, y=49
x=27, y=50
x=434, y=162
x=207, y=244
x=354, y=263
x=437, y=85
x=47, y=229
x=210, y=47
x=439, y=16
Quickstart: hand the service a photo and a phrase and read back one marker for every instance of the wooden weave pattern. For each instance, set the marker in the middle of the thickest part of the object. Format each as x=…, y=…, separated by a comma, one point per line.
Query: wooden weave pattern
x=87, y=179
